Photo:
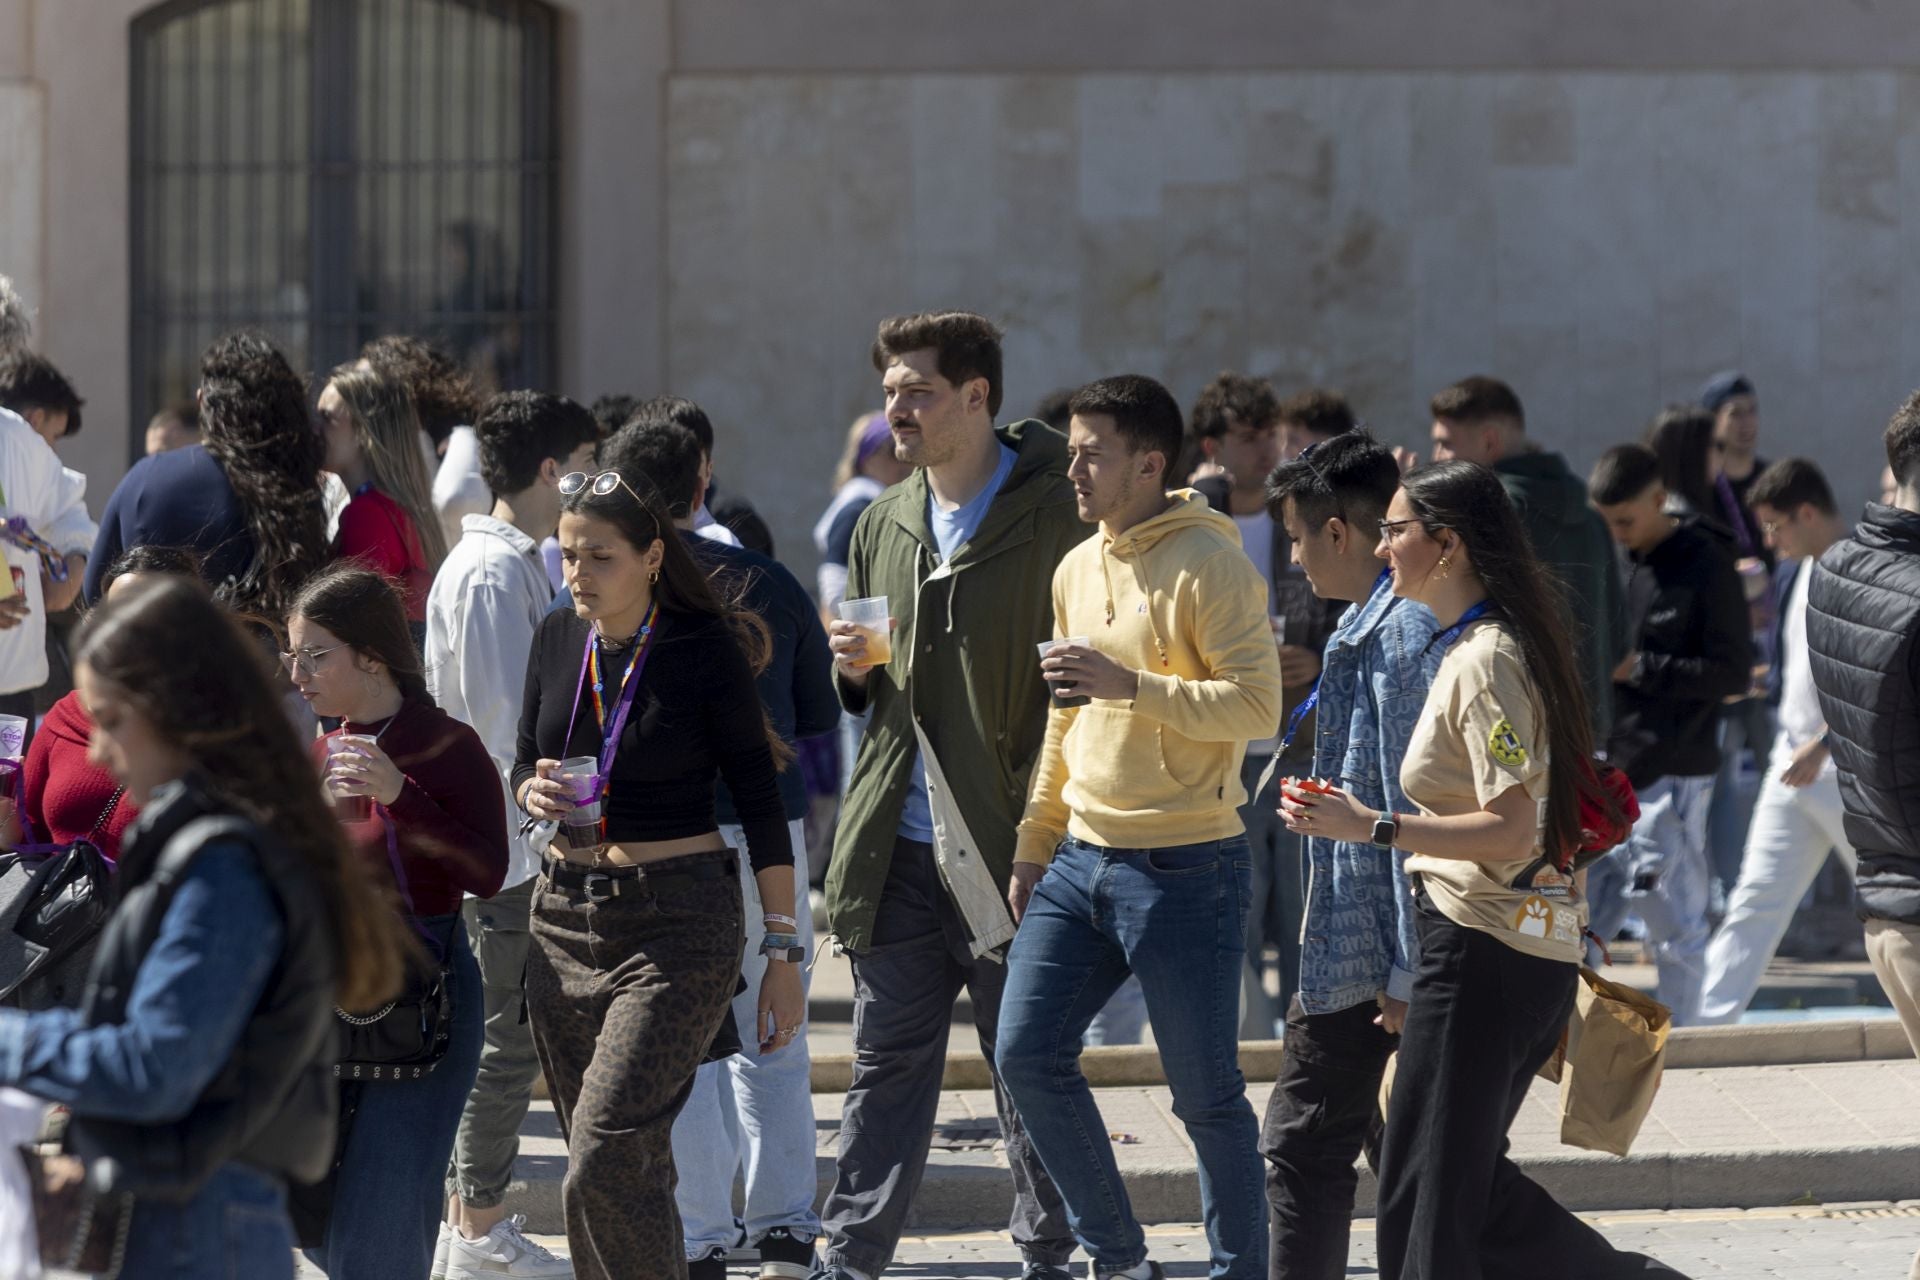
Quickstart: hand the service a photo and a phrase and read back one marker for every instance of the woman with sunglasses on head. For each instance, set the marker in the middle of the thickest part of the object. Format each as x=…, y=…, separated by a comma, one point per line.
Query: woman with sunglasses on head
x=199, y=1065
x=1499, y=767
x=420, y=801
x=372, y=438
x=637, y=703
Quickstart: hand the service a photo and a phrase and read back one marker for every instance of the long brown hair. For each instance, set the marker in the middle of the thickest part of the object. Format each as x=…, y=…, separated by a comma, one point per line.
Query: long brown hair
x=683, y=586
x=1470, y=500
x=192, y=673
x=366, y=611
x=254, y=423
x=387, y=429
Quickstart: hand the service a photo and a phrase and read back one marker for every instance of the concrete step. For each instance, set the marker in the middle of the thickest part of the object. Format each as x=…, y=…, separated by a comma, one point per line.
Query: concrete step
x=1739, y=1137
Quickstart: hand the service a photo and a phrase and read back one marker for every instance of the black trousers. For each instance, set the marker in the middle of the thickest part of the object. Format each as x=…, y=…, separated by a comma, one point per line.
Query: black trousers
x=1324, y=1112
x=1453, y=1206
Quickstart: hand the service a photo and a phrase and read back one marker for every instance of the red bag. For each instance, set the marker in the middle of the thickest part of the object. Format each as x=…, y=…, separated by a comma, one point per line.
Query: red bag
x=1601, y=830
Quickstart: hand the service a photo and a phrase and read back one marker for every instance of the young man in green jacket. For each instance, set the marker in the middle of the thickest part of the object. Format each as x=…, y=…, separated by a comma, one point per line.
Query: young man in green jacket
x=964, y=551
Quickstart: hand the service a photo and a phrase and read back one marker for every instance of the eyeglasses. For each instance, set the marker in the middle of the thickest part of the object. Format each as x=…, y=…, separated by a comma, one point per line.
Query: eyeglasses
x=1390, y=529
x=305, y=661
x=600, y=483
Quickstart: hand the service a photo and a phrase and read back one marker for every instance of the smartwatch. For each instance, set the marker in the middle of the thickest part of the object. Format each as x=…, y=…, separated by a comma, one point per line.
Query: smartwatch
x=1386, y=830
x=787, y=948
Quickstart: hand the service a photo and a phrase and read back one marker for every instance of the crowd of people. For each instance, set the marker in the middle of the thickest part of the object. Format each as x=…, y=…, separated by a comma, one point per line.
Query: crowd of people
x=442, y=746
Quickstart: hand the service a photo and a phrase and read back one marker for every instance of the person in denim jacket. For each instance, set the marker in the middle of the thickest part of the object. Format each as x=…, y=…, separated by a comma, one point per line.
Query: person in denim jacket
x=1357, y=959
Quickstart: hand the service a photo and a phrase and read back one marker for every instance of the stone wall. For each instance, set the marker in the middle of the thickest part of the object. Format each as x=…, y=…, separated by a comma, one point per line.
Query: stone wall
x=1602, y=240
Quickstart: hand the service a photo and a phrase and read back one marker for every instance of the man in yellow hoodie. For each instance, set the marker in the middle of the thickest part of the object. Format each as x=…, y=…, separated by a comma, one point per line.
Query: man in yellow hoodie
x=1131, y=857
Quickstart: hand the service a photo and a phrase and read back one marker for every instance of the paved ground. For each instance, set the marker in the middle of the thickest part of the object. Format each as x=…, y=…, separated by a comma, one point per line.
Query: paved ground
x=1835, y=1242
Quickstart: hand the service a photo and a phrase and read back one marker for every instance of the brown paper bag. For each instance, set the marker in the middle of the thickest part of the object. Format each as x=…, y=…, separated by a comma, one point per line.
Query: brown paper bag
x=1611, y=1060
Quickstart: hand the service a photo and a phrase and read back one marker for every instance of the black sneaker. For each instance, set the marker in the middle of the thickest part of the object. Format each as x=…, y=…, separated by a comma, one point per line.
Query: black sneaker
x=785, y=1255
x=1045, y=1271
x=1154, y=1272
x=711, y=1267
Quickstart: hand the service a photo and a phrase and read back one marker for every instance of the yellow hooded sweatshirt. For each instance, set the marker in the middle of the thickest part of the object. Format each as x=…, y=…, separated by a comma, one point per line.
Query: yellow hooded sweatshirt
x=1176, y=599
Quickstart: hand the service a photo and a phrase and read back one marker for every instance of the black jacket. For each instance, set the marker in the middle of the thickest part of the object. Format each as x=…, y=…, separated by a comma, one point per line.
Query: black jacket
x=1863, y=636
x=274, y=1104
x=1311, y=621
x=1689, y=623
x=1572, y=539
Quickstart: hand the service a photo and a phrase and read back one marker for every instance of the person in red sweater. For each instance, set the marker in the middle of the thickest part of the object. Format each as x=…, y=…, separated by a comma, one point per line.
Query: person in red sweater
x=437, y=828
x=63, y=795
x=373, y=444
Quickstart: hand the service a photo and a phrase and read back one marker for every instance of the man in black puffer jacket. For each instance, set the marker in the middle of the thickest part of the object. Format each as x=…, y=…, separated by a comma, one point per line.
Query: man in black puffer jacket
x=1863, y=632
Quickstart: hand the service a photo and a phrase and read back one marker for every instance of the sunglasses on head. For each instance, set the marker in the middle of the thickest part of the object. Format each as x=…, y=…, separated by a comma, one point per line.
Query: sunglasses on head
x=599, y=483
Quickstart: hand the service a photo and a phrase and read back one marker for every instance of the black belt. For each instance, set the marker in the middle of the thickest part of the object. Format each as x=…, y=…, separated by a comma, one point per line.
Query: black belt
x=602, y=884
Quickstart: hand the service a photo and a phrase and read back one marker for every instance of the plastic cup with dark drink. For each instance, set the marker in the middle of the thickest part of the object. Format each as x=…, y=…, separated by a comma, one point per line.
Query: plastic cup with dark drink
x=582, y=774
x=349, y=808
x=1063, y=695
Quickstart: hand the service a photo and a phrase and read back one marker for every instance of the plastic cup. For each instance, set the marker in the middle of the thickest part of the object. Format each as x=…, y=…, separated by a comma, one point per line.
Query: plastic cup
x=1062, y=699
x=349, y=808
x=583, y=776
x=13, y=737
x=870, y=615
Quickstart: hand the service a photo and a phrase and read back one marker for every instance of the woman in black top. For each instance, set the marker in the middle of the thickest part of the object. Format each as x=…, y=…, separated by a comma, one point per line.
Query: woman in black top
x=637, y=917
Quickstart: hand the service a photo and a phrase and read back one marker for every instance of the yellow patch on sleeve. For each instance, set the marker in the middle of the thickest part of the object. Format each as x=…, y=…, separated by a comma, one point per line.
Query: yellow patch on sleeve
x=1505, y=747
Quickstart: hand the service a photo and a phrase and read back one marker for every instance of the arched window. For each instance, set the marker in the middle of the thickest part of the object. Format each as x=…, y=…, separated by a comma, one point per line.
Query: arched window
x=331, y=170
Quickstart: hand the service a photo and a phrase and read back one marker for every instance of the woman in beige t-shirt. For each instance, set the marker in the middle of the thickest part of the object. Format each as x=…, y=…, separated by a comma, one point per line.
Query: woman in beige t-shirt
x=1491, y=766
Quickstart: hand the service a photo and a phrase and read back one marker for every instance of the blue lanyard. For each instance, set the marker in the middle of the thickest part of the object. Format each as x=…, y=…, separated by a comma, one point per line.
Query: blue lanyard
x=1305, y=709
x=1446, y=638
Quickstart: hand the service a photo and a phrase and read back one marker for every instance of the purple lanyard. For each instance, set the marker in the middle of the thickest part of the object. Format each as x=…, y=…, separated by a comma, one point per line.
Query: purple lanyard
x=610, y=730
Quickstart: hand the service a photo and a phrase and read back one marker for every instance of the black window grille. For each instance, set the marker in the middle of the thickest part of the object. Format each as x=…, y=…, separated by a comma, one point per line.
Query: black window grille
x=332, y=170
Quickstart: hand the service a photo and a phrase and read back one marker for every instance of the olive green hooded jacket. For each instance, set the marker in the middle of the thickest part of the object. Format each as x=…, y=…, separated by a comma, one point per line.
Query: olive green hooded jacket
x=964, y=679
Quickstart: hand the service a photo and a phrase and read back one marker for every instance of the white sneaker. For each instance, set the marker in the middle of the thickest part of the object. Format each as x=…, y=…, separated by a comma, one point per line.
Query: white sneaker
x=503, y=1251
x=440, y=1248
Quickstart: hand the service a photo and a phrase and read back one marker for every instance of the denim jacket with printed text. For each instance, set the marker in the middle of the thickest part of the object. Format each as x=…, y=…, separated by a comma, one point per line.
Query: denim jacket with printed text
x=1359, y=936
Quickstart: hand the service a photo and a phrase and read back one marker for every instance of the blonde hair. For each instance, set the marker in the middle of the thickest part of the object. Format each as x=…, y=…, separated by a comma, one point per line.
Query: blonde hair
x=388, y=432
x=850, y=456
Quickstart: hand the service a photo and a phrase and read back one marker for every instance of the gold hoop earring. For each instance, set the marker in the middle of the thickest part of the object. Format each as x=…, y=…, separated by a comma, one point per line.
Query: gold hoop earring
x=653, y=577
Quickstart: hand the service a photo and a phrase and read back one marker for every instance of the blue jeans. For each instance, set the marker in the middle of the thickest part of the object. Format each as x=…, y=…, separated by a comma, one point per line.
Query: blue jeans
x=750, y=1114
x=1660, y=875
x=388, y=1196
x=235, y=1228
x=1175, y=917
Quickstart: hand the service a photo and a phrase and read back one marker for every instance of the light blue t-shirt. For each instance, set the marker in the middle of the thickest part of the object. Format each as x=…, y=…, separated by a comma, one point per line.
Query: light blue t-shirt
x=951, y=529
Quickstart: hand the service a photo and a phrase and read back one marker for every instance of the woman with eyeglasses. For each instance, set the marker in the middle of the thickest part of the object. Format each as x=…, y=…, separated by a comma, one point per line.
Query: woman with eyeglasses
x=1499, y=769
x=637, y=703
x=198, y=1067
x=420, y=801
x=372, y=436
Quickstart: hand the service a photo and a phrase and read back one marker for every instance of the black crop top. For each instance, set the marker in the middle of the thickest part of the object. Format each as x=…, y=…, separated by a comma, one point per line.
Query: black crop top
x=696, y=718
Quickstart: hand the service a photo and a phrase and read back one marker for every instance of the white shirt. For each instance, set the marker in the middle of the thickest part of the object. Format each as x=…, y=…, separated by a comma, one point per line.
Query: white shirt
x=707, y=527
x=459, y=490
x=52, y=499
x=1800, y=718
x=1256, y=535
x=485, y=603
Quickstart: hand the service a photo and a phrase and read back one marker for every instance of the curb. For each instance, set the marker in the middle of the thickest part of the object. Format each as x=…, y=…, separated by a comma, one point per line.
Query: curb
x=1689, y=1048
x=957, y=1196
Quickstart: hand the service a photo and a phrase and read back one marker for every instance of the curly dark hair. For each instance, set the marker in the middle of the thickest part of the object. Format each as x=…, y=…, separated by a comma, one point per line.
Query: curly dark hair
x=442, y=391
x=1235, y=395
x=254, y=423
x=967, y=346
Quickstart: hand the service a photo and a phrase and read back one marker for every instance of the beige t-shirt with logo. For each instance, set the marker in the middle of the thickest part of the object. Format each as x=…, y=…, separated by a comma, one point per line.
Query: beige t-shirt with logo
x=1480, y=735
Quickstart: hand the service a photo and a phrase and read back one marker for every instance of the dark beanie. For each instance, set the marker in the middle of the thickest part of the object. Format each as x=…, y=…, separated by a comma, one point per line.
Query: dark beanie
x=1722, y=387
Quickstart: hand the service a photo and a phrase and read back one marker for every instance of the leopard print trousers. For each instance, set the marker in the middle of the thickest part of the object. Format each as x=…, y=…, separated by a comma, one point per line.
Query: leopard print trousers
x=625, y=997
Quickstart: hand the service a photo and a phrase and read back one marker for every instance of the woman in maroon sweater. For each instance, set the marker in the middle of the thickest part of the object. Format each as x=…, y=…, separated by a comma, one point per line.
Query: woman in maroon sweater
x=437, y=827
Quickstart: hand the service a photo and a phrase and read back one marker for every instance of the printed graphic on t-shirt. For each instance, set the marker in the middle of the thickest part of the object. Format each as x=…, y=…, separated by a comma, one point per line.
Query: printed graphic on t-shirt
x=1504, y=745
x=1533, y=917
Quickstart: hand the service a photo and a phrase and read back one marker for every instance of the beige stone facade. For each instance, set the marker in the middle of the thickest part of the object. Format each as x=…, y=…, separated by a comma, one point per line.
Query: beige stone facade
x=1601, y=203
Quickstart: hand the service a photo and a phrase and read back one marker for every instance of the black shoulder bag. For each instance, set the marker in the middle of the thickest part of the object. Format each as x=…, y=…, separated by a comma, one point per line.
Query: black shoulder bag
x=406, y=1038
